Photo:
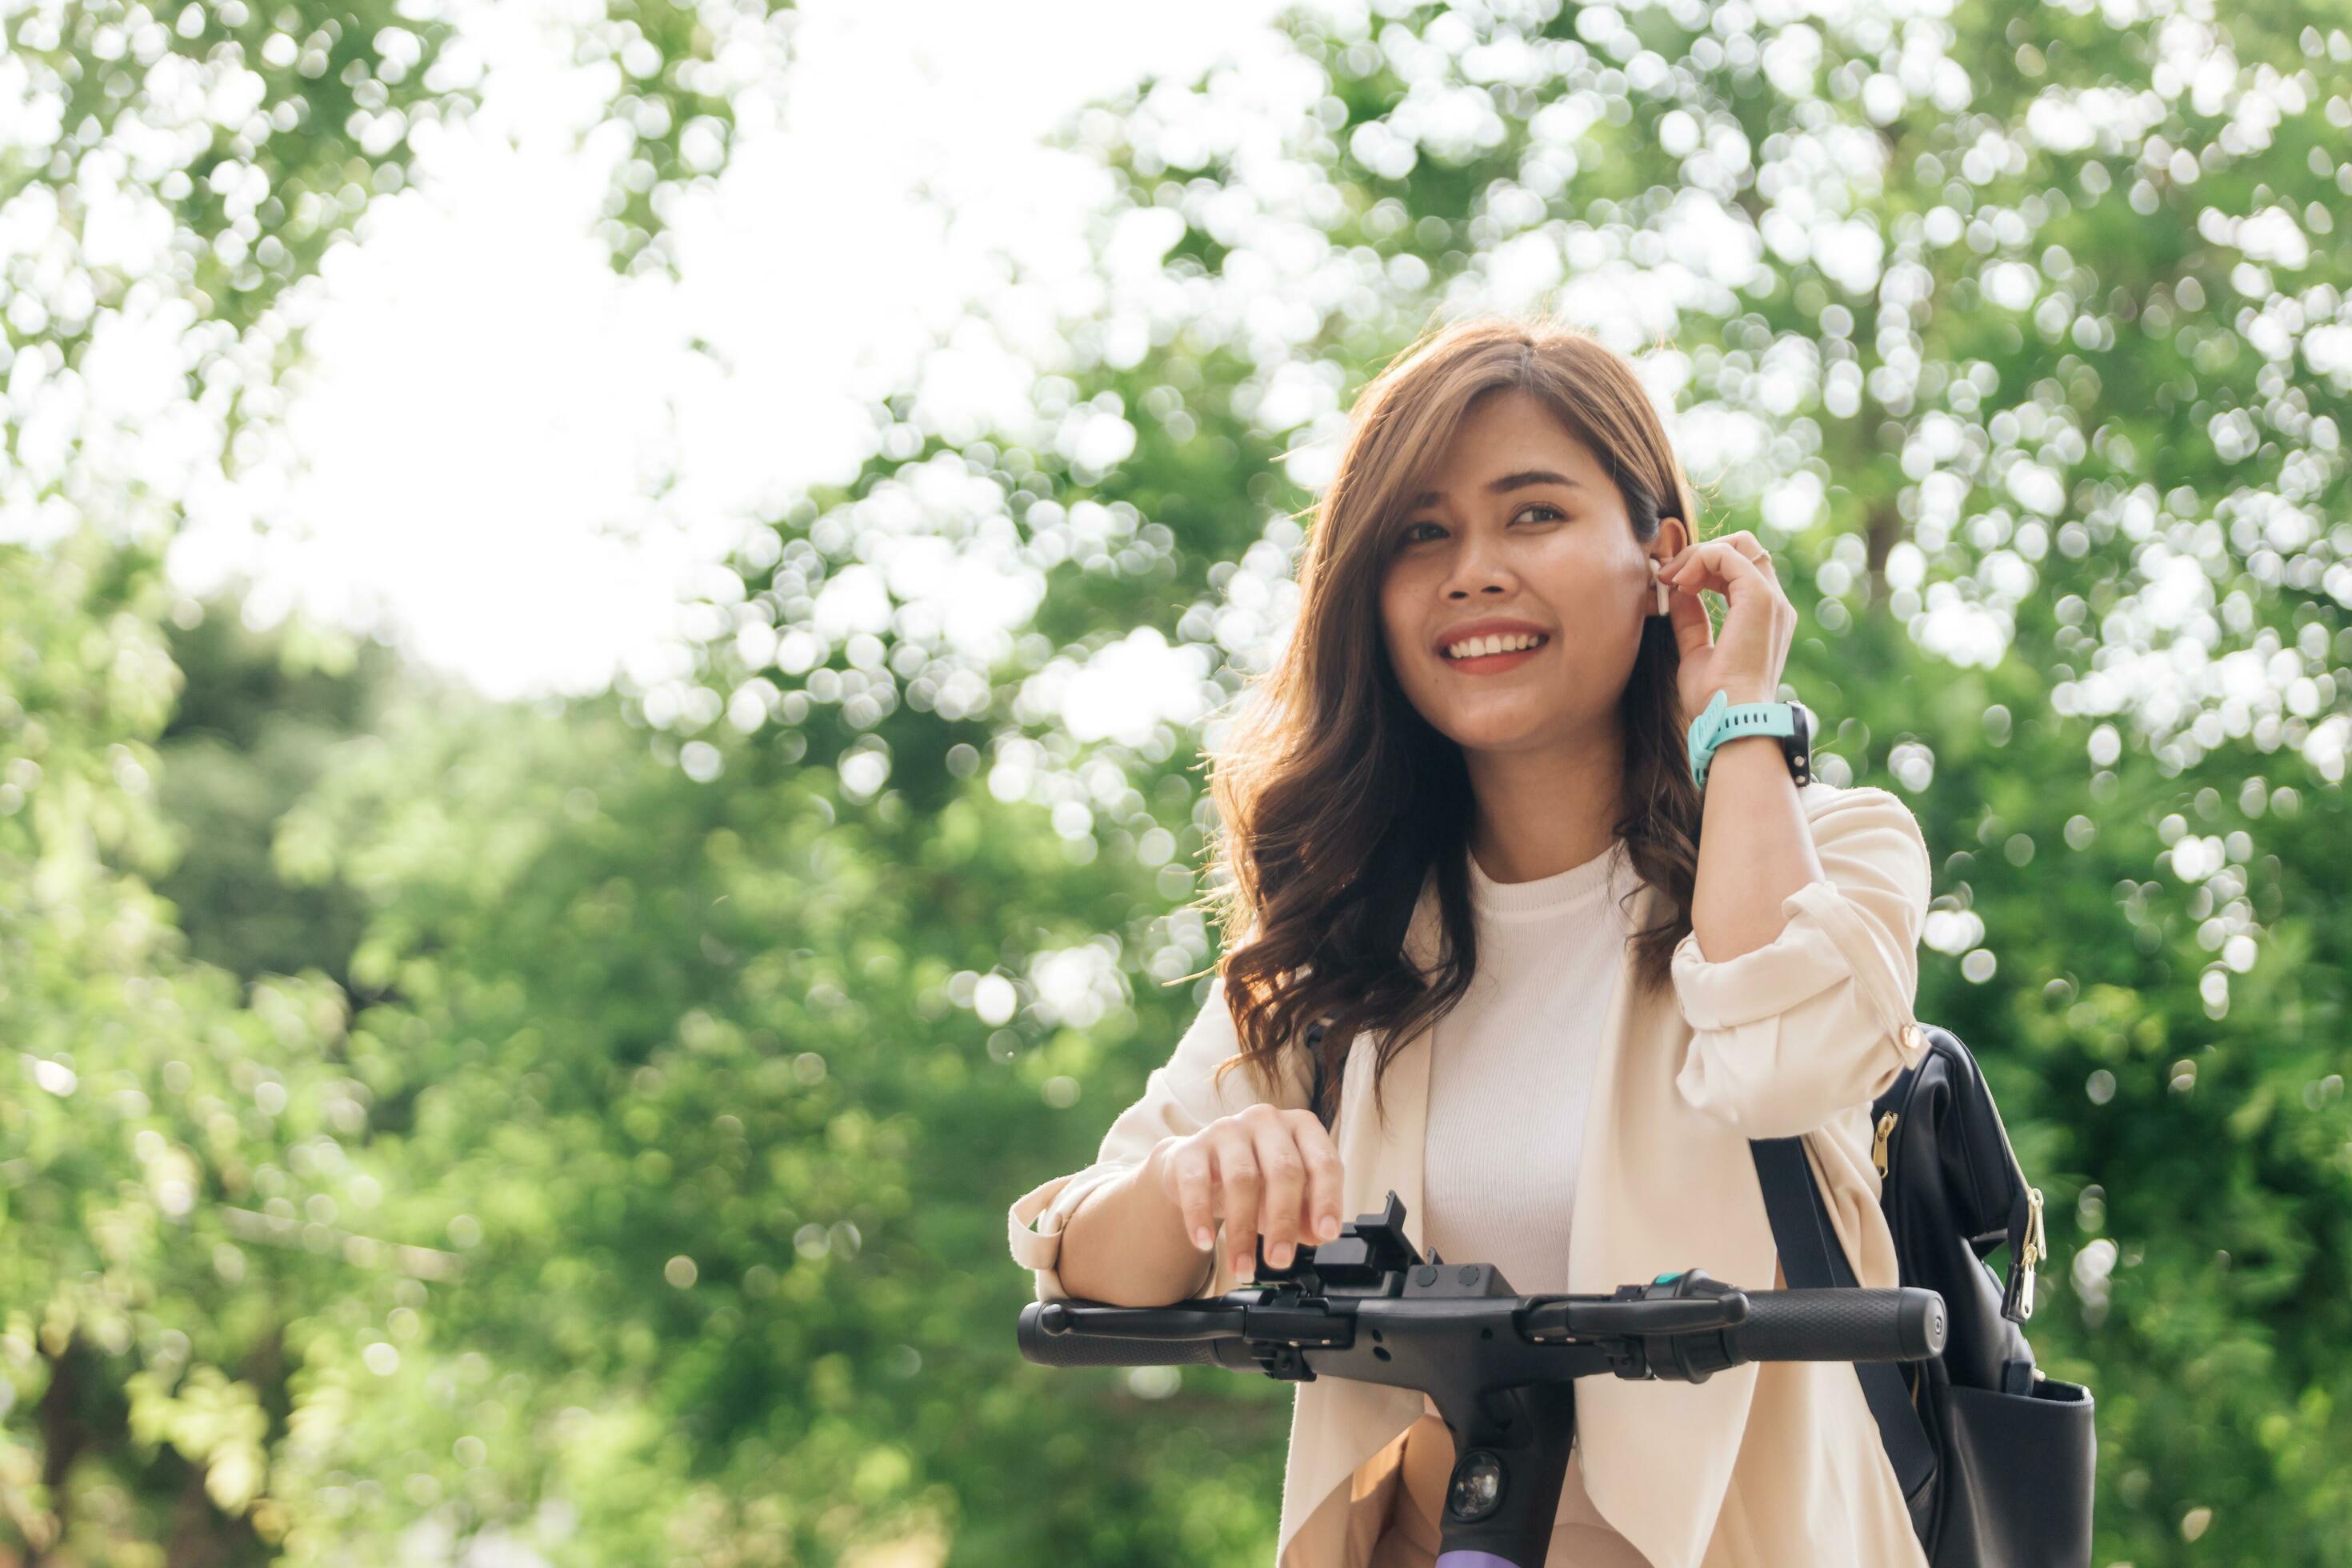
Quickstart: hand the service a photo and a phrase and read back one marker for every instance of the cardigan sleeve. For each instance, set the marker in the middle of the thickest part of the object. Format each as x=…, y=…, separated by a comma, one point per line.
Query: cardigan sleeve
x=1178, y=1098
x=1819, y=1020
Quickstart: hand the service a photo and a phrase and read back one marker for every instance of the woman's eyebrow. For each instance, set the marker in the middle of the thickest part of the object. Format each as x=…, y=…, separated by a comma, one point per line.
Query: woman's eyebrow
x=1526, y=477
x=1517, y=481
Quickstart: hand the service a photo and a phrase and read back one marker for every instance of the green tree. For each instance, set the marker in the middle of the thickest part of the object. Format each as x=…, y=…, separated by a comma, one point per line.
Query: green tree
x=704, y=1050
x=259, y=717
x=176, y=1321
x=2014, y=336
x=162, y=1128
x=641, y=1200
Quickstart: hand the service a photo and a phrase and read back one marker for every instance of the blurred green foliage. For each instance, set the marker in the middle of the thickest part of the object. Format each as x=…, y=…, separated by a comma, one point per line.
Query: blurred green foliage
x=258, y=718
x=620, y=1174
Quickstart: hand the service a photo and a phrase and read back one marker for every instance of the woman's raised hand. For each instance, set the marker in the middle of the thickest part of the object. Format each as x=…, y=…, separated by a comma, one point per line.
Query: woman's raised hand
x=1263, y=1170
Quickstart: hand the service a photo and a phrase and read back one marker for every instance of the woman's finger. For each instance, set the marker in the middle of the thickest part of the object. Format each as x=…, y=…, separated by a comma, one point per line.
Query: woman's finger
x=1715, y=564
x=1685, y=611
x=1237, y=1198
x=1324, y=1192
x=1190, y=1170
x=1750, y=548
x=1283, y=1188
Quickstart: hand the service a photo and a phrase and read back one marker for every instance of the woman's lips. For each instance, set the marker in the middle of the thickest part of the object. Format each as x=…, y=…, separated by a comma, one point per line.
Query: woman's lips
x=1495, y=663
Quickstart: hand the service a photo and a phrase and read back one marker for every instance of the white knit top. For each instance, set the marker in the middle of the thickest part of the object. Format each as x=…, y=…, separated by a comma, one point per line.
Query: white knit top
x=1510, y=1079
x=1511, y=1070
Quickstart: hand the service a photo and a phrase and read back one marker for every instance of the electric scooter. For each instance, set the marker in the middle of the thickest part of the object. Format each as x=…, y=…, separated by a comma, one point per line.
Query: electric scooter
x=1499, y=1366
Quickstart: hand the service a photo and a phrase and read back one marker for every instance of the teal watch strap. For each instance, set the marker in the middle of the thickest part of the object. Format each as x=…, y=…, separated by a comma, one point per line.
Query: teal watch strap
x=1722, y=720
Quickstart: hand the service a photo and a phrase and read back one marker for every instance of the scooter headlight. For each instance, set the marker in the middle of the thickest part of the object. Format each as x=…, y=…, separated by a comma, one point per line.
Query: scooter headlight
x=1478, y=1488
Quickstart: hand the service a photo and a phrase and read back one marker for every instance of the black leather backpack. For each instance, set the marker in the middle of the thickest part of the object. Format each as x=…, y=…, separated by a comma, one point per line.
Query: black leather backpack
x=1995, y=1459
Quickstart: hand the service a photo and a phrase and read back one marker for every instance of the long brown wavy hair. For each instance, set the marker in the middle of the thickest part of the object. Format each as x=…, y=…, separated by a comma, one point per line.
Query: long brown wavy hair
x=1337, y=800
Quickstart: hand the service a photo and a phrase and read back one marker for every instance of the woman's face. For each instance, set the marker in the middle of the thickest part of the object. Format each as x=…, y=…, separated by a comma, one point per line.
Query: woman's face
x=1520, y=532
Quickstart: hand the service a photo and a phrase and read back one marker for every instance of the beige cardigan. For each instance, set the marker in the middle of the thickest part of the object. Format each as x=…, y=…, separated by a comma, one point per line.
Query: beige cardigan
x=1763, y=1466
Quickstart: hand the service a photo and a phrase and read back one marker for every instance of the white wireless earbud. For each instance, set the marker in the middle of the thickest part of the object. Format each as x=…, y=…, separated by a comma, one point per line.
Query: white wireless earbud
x=1659, y=582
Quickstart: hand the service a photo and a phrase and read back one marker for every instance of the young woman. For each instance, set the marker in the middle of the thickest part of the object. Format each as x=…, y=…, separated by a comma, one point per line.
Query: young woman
x=1573, y=963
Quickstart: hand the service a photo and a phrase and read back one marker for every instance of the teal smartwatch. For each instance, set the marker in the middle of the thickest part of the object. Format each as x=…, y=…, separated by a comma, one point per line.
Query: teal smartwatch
x=1722, y=720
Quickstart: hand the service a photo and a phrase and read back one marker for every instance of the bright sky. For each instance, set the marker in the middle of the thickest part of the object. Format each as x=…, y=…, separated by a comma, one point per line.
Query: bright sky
x=482, y=436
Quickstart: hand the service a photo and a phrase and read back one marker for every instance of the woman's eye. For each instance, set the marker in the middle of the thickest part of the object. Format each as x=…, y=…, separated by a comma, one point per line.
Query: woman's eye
x=1538, y=513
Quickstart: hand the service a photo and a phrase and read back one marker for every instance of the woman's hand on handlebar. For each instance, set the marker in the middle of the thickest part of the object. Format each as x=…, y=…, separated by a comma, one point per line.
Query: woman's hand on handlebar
x=1263, y=1171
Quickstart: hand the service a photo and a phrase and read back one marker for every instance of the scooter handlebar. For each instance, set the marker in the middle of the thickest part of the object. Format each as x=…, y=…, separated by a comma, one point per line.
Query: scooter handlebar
x=1846, y=1324
x=1049, y=1337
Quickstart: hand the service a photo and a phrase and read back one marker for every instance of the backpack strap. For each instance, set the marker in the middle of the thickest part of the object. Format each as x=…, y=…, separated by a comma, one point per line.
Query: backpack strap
x=1811, y=1259
x=1315, y=1058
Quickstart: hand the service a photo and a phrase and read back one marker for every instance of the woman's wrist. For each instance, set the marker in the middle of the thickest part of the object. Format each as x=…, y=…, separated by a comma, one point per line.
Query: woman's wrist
x=1133, y=1251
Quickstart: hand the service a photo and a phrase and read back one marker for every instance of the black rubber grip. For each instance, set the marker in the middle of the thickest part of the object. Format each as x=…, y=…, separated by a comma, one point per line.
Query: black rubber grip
x=1072, y=1349
x=1841, y=1324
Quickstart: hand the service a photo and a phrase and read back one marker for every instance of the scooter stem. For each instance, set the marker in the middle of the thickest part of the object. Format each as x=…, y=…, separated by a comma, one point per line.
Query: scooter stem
x=1503, y=1496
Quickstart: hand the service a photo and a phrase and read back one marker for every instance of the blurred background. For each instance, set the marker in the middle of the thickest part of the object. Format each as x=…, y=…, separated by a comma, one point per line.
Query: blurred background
x=608, y=612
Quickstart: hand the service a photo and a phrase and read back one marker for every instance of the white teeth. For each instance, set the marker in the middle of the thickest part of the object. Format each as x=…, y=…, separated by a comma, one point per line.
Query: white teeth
x=1478, y=647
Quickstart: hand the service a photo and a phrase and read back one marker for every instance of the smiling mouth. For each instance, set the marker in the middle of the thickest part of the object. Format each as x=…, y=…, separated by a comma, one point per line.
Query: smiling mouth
x=1452, y=658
